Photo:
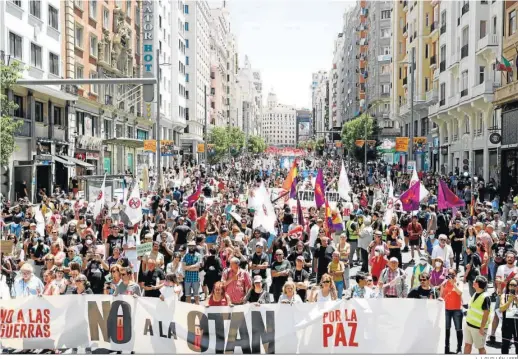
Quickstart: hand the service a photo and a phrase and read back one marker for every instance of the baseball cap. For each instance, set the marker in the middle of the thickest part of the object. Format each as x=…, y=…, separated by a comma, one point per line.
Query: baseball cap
x=279, y=251
x=259, y=245
x=258, y=279
x=191, y=243
x=300, y=258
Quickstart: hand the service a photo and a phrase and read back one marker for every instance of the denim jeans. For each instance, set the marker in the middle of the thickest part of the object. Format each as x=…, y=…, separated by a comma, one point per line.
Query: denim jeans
x=457, y=317
x=354, y=247
x=339, y=288
x=492, y=269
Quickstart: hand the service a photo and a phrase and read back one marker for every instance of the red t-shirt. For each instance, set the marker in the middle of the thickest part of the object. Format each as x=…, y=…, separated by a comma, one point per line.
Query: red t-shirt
x=191, y=213
x=377, y=265
x=202, y=224
x=452, y=300
x=222, y=303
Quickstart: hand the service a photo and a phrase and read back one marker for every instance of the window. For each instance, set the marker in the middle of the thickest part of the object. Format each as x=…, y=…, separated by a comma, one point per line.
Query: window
x=443, y=18
x=494, y=25
x=38, y=113
x=94, y=88
x=57, y=116
x=464, y=80
x=385, y=14
x=137, y=16
x=443, y=92
x=79, y=36
x=512, y=23
x=17, y=2
x=443, y=53
x=128, y=8
x=159, y=21
x=79, y=4
x=15, y=45
x=93, y=46
x=53, y=17
x=79, y=70
x=186, y=77
x=385, y=32
x=385, y=69
x=481, y=72
x=186, y=9
x=186, y=26
x=426, y=84
x=427, y=20
x=386, y=50
x=92, y=9
x=483, y=29
x=137, y=49
x=18, y=112
x=106, y=18
x=186, y=43
x=53, y=64
x=35, y=8
x=187, y=59
x=36, y=55
x=426, y=51
x=385, y=88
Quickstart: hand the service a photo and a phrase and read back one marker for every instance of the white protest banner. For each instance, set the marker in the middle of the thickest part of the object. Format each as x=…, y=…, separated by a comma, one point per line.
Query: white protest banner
x=144, y=248
x=151, y=326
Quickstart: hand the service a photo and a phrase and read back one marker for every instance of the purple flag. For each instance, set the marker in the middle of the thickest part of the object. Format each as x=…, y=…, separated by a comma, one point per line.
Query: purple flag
x=320, y=189
x=446, y=198
x=293, y=190
x=410, y=199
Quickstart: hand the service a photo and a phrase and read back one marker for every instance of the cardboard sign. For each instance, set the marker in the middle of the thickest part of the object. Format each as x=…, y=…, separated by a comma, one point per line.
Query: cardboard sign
x=144, y=249
x=6, y=247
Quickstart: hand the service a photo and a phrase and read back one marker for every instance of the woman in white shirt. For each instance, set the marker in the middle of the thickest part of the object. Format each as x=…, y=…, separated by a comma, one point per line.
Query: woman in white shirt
x=289, y=295
x=27, y=284
x=171, y=289
x=327, y=291
x=175, y=267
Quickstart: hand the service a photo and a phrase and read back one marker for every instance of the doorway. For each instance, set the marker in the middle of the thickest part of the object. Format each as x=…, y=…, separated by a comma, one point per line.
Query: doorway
x=43, y=180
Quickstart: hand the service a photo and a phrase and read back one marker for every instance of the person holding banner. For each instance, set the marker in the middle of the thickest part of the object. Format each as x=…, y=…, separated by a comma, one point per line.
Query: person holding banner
x=27, y=284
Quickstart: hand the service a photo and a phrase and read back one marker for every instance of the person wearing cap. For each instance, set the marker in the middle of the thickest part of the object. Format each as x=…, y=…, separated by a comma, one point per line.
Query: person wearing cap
x=422, y=267
x=393, y=280
x=256, y=238
x=191, y=264
x=444, y=251
x=280, y=270
x=257, y=294
x=259, y=263
x=236, y=281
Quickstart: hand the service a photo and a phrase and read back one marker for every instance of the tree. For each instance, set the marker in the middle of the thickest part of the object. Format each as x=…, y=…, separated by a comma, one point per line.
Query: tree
x=9, y=74
x=227, y=141
x=355, y=130
x=256, y=144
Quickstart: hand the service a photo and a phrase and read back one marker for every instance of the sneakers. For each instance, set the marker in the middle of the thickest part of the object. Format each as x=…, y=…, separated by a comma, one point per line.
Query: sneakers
x=405, y=250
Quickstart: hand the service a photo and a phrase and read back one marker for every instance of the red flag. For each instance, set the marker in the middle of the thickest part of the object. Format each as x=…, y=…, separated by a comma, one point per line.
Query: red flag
x=410, y=199
x=195, y=196
x=446, y=198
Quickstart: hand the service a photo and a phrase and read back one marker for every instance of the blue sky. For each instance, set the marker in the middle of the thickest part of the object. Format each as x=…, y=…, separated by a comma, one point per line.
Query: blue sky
x=287, y=40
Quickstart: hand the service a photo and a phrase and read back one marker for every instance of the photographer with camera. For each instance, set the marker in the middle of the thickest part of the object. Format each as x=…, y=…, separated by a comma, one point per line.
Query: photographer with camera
x=509, y=310
x=451, y=293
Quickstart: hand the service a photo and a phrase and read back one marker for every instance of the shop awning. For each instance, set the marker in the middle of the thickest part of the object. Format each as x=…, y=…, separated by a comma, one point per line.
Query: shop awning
x=62, y=160
x=52, y=92
x=76, y=161
x=126, y=142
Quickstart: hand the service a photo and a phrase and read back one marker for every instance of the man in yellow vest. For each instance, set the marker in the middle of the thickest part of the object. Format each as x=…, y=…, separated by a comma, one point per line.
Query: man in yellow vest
x=477, y=318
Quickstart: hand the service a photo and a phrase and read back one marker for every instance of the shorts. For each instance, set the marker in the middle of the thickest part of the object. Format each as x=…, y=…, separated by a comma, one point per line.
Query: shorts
x=405, y=233
x=414, y=242
x=472, y=336
x=195, y=286
x=211, y=239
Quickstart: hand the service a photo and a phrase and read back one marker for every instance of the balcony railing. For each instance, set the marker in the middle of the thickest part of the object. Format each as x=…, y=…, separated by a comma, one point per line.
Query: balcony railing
x=443, y=29
x=442, y=66
x=25, y=129
x=434, y=26
x=71, y=89
x=464, y=51
x=433, y=60
x=464, y=93
x=442, y=102
x=487, y=41
x=465, y=8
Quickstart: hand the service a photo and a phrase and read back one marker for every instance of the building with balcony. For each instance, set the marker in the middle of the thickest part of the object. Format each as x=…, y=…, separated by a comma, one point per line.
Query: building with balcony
x=279, y=123
x=249, y=99
x=198, y=71
x=414, y=31
x=103, y=40
x=506, y=103
x=466, y=81
x=336, y=91
x=320, y=101
x=349, y=88
x=31, y=33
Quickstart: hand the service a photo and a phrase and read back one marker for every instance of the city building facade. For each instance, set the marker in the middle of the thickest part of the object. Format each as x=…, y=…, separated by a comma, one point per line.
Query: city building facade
x=320, y=101
x=469, y=44
x=506, y=104
x=31, y=33
x=278, y=123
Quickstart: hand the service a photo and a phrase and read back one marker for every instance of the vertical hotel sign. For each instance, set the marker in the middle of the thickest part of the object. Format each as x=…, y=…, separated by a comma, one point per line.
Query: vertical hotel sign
x=148, y=53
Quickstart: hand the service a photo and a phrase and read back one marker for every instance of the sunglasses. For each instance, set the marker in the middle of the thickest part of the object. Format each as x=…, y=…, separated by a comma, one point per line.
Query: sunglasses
x=124, y=274
x=512, y=285
x=326, y=281
x=369, y=280
x=423, y=279
x=114, y=271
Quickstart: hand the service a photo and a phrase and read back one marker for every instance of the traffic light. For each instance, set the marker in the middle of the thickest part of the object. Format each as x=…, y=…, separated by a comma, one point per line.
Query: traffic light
x=4, y=180
x=465, y=163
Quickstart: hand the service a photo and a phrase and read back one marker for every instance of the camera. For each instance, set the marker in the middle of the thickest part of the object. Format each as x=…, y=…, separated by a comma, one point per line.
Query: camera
x=512, y=291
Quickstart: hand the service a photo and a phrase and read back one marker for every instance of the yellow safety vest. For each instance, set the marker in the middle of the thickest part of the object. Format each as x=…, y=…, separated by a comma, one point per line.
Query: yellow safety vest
x=352, y=236
x=475, y=312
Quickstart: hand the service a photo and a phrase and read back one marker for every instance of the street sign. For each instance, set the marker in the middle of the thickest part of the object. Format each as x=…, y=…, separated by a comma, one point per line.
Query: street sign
x=410, y=166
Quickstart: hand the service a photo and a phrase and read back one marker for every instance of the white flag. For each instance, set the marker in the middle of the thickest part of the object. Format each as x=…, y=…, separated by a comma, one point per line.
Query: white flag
x=423, y=192
x=134, y=206
x=343, y=184
x=264, y=211
x=100, y=200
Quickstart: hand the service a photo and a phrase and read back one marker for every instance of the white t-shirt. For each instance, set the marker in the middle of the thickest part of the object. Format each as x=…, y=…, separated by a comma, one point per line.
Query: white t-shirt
x=174, y=292
x=347, y=209
x=313, y=235
x=445, y=253
x=504, y=271
x=321, y=298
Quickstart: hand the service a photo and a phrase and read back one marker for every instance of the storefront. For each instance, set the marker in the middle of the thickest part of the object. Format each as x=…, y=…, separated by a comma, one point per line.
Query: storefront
x=509, y=150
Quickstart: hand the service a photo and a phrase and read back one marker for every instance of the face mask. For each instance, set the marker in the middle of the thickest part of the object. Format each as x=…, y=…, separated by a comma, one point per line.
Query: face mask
x=191, y=250
x=377, y=254
x=438, y=264
x=422, y=262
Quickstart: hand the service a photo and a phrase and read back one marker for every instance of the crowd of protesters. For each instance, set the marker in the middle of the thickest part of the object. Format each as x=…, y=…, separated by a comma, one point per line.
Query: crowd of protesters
x=210, y=253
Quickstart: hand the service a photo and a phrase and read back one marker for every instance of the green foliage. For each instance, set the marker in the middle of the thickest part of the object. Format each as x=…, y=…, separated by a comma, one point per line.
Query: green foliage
x=9, y=74
x=227, y=141
x=256, y=144
x=307, y=145
x=355, y=130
